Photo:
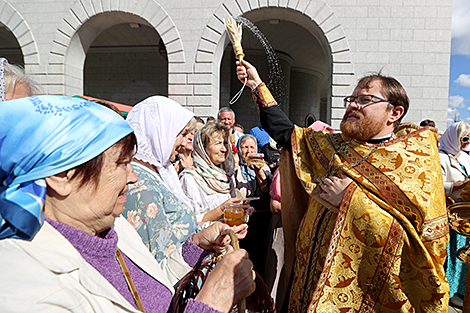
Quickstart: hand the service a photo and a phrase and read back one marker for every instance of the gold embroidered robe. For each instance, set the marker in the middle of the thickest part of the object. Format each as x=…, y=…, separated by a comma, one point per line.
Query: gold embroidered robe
x=384, y=250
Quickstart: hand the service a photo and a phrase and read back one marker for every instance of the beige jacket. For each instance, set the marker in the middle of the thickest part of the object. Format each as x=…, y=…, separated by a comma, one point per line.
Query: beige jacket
x=47, y=274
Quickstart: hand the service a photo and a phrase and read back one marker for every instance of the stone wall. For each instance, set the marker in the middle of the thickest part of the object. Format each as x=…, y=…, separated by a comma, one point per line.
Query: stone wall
x=406, y=39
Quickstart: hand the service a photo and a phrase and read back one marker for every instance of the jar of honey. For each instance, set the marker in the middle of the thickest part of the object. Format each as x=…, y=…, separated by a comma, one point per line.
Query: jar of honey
x=234, y=214
x=255, y=158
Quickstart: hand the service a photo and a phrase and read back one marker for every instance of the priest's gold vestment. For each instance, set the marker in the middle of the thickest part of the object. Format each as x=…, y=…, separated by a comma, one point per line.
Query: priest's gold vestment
x=385, y=248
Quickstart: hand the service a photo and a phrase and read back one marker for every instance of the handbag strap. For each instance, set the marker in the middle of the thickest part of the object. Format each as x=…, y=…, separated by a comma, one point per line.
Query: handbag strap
x=129, y=281
x=236, y=246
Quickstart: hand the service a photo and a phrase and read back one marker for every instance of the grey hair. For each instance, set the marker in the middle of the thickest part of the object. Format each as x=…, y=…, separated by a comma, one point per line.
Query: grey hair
x=245, y=138
x=225, y=109
x=210, y=129
x=15, y=74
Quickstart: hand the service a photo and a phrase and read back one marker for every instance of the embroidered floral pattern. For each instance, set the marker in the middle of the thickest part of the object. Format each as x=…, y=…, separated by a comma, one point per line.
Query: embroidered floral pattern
x=385, y=249
x=160, y=218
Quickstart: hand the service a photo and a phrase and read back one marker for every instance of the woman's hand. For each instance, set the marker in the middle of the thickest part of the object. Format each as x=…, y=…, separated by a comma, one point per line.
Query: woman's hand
x=231, y=281
x=257, y=169
x=460, y=184
x=246, y=70
x=221, y=207
x=240, y=230
x=217, y=213
x=275, y=207
x=210, y=238
x=334, y=188
x=260, y=174
x=231, y=200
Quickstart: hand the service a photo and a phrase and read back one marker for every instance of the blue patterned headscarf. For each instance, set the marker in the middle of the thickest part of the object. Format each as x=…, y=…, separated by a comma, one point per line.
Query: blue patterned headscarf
x=247, y=173
x=43, y=136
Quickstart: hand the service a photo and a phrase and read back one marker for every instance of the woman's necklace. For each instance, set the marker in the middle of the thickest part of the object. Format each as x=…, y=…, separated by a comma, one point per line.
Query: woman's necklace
x=342, y=148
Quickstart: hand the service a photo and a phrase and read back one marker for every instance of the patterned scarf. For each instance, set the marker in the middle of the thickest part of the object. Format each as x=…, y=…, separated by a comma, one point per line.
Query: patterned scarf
x=40, y=137
x=212, y=179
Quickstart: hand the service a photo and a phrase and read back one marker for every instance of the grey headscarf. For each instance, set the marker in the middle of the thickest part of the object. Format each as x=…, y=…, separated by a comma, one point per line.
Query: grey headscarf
x=2, y=79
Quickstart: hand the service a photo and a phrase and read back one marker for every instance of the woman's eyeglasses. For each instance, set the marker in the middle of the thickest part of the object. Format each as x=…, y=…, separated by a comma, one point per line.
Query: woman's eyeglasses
x=363, y=100
x=465, y=139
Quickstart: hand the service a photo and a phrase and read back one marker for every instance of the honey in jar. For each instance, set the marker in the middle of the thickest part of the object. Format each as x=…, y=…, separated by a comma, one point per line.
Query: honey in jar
x=255, y=158
x=234, y=214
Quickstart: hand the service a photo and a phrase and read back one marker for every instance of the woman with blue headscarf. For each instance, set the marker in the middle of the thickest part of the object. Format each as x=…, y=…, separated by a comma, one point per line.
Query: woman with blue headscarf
x=64, y=170
x=252, y=180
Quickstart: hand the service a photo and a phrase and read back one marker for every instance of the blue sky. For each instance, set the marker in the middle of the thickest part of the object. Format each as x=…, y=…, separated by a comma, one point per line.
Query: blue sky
x=459, y=82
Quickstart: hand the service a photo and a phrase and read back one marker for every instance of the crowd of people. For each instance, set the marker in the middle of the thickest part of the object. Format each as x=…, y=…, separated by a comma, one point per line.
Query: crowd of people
x=99, y=213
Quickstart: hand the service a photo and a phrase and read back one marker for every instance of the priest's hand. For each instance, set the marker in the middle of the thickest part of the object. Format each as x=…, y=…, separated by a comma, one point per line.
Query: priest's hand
x=248, y=71
x=334, y=188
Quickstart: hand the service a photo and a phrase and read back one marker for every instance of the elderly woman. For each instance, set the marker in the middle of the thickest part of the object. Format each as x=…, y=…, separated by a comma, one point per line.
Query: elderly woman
x=15, y=83
x=209, y=183
x=185, y=152
x=455, y=165
x=64, y=170
x=252, y=180
x=156, y=205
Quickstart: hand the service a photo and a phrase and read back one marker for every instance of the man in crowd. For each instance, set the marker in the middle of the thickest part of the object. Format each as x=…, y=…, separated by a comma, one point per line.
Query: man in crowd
x=427, y=122
x=239, y=128
x=227, y=116
x=374, y=233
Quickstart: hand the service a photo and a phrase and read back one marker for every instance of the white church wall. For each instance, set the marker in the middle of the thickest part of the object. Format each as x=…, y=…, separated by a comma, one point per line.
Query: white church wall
x=406, y=39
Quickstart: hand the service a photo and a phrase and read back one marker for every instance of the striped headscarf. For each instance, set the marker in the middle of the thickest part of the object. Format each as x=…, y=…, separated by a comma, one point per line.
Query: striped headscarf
x=212, y=179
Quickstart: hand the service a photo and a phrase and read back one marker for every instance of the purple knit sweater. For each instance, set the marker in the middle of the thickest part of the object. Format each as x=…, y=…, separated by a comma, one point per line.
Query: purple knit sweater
x=101, y=254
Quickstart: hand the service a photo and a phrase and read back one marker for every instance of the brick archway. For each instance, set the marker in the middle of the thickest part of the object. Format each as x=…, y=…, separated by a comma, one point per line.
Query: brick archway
x=334, y=41
x=11, y=18
x=78, y=30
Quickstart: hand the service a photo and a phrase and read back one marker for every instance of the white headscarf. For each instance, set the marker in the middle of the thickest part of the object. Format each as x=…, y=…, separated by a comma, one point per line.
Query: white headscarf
x=157, y=121
x=450, y=140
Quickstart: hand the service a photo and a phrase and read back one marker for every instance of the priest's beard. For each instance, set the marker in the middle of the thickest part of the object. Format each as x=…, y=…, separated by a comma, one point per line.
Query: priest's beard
x=363, y=128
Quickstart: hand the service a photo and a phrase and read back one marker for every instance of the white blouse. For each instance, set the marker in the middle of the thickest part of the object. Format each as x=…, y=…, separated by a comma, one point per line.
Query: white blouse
x=452, y=171
x=202, y=202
